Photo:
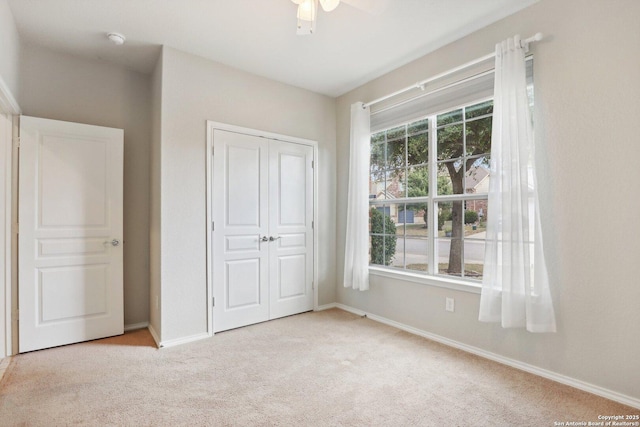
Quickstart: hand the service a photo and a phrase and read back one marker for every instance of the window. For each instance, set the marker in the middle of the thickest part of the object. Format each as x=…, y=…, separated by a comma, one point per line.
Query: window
x=429, y=181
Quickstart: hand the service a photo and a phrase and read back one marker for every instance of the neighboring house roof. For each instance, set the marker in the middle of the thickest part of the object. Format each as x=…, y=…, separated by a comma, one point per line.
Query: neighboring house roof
x=474, y=177
x=385, y=195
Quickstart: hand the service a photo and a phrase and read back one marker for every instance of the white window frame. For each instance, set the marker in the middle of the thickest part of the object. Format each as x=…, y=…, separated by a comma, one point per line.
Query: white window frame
x=431, y=277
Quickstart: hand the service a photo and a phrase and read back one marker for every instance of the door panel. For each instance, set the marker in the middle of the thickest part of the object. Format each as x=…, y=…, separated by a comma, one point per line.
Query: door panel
x=243, y=185
x=70, y=212
x=290, y=222
x=72, y=178
x=292, y=188
x=240, y=210
x=60, y=288
x=243, y=284
x=292, y=276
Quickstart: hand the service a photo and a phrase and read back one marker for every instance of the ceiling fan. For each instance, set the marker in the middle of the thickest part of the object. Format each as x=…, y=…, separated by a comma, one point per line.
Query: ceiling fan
x=308, y=10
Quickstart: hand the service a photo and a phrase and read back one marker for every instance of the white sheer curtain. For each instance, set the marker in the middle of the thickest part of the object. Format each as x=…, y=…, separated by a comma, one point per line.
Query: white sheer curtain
x=515, y=285
x=356, y=256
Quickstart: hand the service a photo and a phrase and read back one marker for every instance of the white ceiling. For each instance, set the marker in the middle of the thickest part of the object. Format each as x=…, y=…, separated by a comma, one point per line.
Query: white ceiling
x=349, y=48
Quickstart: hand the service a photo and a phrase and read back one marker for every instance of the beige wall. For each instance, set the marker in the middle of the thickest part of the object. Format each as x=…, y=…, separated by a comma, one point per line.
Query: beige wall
x=195, y=90
x=63, y=87
x=9, y=49
x=587, y=91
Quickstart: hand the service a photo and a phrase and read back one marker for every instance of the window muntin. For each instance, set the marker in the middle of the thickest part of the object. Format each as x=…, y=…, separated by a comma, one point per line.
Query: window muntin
x=452, y=150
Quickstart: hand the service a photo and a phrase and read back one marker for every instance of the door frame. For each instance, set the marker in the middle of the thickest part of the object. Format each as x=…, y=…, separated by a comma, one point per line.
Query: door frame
x=211, y=127
x=10, y=109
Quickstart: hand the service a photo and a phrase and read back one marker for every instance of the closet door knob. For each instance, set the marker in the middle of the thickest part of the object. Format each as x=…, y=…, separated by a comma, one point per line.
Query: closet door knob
x=264, y=239
x=273, y=239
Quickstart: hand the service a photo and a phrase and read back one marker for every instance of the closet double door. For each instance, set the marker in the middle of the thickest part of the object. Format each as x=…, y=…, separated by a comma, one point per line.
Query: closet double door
x=262, y=211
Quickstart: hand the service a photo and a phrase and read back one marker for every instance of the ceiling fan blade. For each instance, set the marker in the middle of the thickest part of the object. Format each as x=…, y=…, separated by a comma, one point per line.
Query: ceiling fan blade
x=375, y=7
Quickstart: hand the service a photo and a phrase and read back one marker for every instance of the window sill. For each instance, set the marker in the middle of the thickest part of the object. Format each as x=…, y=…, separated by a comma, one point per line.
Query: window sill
x=438, y=281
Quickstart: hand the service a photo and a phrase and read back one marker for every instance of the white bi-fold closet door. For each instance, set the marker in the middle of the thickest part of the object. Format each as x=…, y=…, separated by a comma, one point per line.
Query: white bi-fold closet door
x=262, y=238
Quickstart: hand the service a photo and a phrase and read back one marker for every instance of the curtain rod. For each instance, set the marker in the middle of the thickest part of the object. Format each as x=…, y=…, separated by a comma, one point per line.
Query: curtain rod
x=420, y=85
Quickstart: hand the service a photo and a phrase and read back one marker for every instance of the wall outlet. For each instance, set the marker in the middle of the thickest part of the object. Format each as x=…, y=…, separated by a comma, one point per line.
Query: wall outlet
x=449, y=304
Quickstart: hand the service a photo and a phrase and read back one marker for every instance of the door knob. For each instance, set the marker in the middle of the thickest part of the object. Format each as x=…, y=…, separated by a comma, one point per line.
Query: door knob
x=273, y=239
x=115, y=242
x=264, y=239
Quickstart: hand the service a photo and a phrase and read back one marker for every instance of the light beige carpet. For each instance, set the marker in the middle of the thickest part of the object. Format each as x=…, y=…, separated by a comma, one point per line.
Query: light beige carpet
x=316, y=369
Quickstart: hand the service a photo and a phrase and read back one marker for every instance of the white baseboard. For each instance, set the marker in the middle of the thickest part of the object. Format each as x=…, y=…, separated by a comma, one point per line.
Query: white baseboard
x=154, y=335
x=559, y=378
x=184, y=340
x=134, y=326
x=327, y=307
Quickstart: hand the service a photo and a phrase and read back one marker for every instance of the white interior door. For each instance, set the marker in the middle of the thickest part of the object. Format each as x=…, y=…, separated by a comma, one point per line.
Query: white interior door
x=70, y=233
x=262, y=209
x=240, y=212
x=290, y=224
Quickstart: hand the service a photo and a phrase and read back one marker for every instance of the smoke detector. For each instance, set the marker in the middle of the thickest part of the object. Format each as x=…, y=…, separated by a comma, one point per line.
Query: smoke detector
x=117, y=38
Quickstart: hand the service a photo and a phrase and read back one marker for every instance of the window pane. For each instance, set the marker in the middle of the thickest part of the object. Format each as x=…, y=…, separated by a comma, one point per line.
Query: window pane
x=377, y=191
x=449, y=256
x=450, y=176
x=387, y=185
x=443, y=246
x=418, y=181
x=418, y=149
x=377, y=158
x=372, y=246
x=376, y=224
x=415, y=220
x=457, y=219
x=476, y=179
x=388, y=223
x=383, y=245
x=395, y=184
x=377, y=137
x=416, y=254
x=384, y=218
x=473, y=258
x=479, y=109
x=403, y=216
x=376, y=185
x=397, y=132
x=479, y=136
x=420, y=126
x=397, y=260
x=474, y=219
x=450, y=216
x=395, y=153
x=450, y=117
x=444, y=218
x=394, y=224
x=450, y=142
x=377, y=250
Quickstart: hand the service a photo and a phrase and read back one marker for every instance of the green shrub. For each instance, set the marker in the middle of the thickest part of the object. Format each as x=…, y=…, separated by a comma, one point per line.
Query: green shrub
x=470, y=217
x=441, y=219
x=445, y=215
x=383, y=248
